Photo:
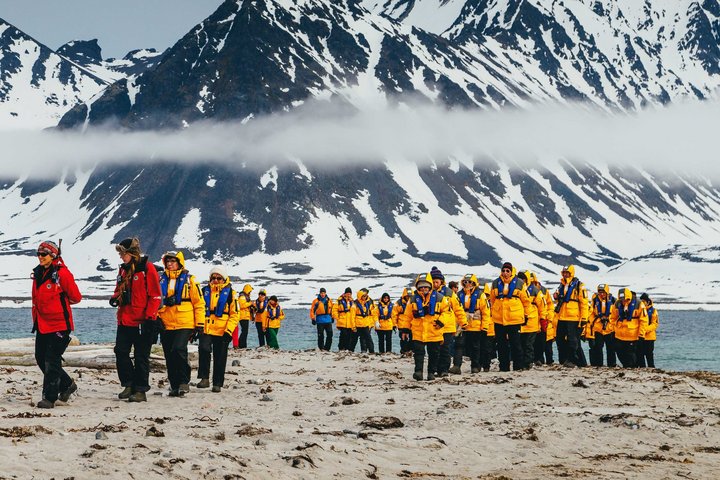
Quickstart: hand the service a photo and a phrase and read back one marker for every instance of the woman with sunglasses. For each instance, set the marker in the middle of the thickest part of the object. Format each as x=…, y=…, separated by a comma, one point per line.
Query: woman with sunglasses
x=53, y=291
x=221, y=320
x=510, y=309
x=137, y=296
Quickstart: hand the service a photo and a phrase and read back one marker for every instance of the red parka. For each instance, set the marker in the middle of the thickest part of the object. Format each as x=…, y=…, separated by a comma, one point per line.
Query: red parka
x=54, y=290
x=145, y=294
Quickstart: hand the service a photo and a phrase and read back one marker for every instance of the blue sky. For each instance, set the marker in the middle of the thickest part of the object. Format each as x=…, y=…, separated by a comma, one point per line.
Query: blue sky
x=119, y=25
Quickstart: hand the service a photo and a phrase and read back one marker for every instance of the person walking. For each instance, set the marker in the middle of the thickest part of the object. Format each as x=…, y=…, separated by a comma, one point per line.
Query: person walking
x=571, y=311
x=365, y=315
x=137, y=297
x=454, y=320
x=183, y=314
x=321, y=316
x=275, y=316
x=630, y=321
x=221, y=319
x=385, y=325
x=260, y=314
x=510, y=309
x=600, y=327
x=245, y=314
x=476, y=305
x=646, y=343
x=343, y=314
x=398, y=309
x=53, y=292
x=422, y=318
x=543, y=352
x=536, y=314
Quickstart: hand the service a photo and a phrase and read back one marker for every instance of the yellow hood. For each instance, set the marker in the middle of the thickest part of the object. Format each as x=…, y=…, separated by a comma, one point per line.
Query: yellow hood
x=470, y=277
x=175, y=254
x=247, y=289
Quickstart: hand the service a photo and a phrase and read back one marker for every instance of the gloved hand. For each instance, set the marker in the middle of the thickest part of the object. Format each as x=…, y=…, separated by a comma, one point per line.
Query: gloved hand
x=314, y=322
x=114, y=302
x=196, y=333
x=543, y=324
x=394, y=329
x=526, y=320
x=227, y=337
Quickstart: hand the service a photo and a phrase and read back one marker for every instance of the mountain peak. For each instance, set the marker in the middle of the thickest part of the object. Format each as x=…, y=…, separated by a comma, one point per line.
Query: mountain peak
x=82, y=51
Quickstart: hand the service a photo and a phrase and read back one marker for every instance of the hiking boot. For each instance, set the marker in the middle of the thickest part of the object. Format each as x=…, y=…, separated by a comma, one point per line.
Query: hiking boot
x=65, y=395
x=418, y=375
x=431, y=377
x=127, y=391
x=486, y=369
x=569, y=365
x=137, y=397
x=216, y=389
x=184, y=387
x=443, y=374
x=455, y=370
x=203, y=383
x=474, y=370
x=45, y=404
x=176, y=392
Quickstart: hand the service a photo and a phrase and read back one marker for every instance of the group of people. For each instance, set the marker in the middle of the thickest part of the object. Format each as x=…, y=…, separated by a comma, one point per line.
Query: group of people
x=514, y=318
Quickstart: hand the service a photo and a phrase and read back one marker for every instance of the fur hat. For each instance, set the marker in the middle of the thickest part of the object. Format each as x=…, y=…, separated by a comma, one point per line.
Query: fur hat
x=129, y=245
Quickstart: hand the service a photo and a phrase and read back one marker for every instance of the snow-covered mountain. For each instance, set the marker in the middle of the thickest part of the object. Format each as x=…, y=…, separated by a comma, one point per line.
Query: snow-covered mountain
x=379, y=223
x=37, y=86
x=88, y=54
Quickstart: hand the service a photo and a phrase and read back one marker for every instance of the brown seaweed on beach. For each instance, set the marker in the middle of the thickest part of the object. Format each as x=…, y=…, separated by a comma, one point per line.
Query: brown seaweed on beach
x=250, y=431
x=381, y=422
x=22, y=432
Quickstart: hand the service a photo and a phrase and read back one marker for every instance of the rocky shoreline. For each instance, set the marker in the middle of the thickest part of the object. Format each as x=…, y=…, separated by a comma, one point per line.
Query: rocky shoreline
x=286, y=414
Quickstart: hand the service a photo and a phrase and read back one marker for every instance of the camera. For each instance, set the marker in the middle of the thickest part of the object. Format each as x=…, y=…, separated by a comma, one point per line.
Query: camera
x=558, y=307
x=169, y=301
x=114, y=302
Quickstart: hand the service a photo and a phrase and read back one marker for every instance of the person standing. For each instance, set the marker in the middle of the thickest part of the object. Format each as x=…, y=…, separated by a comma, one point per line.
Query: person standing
x=475, y=303
x=138, y=297
x=646, y=343
x=571, y=311
x=260, y=313
x=365, y=315
x=221, y=319
x=454, y=319
x=245, y=314
x=53, y=292
x=398, y=309
x=385, y=324
x=275, y=316
x=601, y=329
x=183, y=314
x=536, y=314
x=543, y=352
x=343, y=312
x=510, y=309
x=321, y=317
x=630, y=321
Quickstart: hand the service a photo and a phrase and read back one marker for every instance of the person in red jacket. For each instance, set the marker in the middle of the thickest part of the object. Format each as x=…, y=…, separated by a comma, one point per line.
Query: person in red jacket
x=137, y=296
x=54, y=290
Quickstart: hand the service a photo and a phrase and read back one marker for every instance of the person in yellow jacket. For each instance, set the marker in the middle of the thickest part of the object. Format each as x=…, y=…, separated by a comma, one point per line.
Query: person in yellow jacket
x=543, y=350
x=537, y=313
x=600, y=329
x=572, y=310
x=321, y=317
x=385, y=324
x=630, y=320
x=454, y=320
x=422, y=318
x=365, y=315
x=398, y=309
x=646, y=343
x=221, y=319
x=510, y=309
x=259, y=312
x=271, y=324
x=183, y=317
x=239, y=337
x=475, y=344
x=343, y=312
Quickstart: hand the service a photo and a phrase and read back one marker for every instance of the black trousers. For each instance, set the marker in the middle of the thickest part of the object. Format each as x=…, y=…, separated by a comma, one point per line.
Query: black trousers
x=568, y=341
x=433, y=351
x=175, y=343
x=243, y=334
x=134, y=374
x=384, y=341
x=352, y=339
x=508, y=339
x=324, y=336
x=487, y=345
x=646, y=353
x=405, y=345
x=528, y=348
x=459, y=348
x=444, y=353
x=49, y=348
x=343, y=341
x=606, y=342
x=627, y=353
x=366, y=341
x=539, y=347
x=262, y=336
x=216, y=347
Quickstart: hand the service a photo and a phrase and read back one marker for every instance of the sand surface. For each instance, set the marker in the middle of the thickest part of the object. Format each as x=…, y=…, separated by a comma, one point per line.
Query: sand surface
x=290, y=415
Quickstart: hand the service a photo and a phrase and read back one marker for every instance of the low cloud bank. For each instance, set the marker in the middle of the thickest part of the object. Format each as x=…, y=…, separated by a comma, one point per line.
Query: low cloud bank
x=682, y=137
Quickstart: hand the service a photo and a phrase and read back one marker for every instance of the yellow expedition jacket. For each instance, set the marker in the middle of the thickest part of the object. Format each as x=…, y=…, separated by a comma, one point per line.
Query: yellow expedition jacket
x=343, y=313
x=455, y=316
x=274, y=317
x=385, y=316
x=630, y=321
x=574, y=301
x=421, y=314
x=245, y=303
x=190, y=311
x=218, y=323
x=365, y=314
x=477, y=312
x=509, y=306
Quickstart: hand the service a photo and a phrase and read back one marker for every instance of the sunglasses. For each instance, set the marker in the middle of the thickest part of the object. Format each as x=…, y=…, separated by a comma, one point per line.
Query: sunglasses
x=42, y=254
x=468, y=282
x=171, y=260
x=506, y=270
x=216, y=278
